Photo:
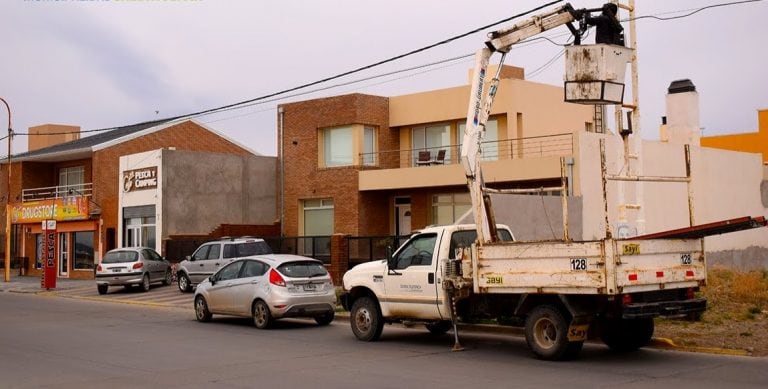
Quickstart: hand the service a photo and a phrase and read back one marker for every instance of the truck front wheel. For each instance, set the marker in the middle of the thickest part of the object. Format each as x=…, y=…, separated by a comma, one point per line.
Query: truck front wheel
x=546, y=332
x=366, y=319
x=626, y=334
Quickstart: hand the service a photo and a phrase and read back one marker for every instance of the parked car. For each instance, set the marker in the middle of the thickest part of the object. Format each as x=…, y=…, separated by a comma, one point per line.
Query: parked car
x=210, y=256
x=267, y=288
x=131, y=266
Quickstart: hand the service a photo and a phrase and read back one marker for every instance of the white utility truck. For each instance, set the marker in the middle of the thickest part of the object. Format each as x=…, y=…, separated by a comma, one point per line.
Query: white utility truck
x=562, y=292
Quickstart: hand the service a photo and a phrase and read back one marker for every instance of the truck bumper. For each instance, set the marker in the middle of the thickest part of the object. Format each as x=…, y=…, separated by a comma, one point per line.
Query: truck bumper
x=670, y=309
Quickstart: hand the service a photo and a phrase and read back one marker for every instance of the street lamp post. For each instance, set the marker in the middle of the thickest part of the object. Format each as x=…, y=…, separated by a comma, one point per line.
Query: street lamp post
x=7, y=276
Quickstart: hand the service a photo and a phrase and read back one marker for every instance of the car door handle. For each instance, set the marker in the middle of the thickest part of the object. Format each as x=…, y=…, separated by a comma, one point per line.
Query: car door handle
x=431, y=278
x=201, y=265
x=254, y=282
x=216, y=264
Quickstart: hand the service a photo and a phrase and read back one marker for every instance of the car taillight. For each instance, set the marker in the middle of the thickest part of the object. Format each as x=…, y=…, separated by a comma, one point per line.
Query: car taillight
x=138, y=265
x=275, y=278
x=98, y=268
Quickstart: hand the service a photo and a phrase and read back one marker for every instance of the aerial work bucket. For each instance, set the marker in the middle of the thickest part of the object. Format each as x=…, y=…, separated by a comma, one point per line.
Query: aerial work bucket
x=594, y=74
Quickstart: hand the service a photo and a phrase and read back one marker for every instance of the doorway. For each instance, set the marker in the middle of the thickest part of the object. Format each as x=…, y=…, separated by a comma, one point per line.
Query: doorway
x=402, y=215
x=64, y=254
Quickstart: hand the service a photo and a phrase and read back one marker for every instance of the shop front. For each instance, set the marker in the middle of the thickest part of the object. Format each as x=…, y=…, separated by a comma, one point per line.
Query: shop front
x=77, y=238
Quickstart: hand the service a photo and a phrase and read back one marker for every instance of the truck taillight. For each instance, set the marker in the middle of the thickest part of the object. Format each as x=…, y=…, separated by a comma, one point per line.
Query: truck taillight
x=275, y=278
x=626, y=299
x=632, y=277
x=138, y=265
x=689, y=273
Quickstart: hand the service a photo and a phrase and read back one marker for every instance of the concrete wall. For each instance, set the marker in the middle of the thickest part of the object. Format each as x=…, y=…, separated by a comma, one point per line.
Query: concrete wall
x=725, y=185
x=203, y=190
x=533, y=217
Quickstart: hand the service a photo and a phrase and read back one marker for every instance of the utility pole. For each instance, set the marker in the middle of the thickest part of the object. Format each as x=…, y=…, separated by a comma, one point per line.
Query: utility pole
x=7, y=267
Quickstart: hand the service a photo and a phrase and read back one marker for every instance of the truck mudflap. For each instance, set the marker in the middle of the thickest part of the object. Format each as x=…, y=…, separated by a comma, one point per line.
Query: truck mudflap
x=669, y=309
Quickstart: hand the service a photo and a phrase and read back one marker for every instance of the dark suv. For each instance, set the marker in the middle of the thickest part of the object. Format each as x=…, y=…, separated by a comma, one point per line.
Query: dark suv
x=210, y=256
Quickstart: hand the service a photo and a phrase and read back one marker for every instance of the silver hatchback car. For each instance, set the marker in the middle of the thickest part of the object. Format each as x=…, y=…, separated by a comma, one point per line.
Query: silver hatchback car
x=266, y=288
x=132, y=266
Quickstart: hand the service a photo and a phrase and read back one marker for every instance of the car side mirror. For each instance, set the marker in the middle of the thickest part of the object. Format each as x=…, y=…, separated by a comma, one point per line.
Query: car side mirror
x=212, y=279
x=189, y=258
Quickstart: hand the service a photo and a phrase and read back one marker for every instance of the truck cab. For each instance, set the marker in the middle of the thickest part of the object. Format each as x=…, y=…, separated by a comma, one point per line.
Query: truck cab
x=408, y=284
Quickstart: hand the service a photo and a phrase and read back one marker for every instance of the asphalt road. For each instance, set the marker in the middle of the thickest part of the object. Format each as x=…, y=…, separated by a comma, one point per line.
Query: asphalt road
x=51, y=342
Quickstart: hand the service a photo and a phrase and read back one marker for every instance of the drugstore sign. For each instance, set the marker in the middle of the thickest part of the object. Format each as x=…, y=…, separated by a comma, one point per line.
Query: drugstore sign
x=61, y=209
x=140, y=179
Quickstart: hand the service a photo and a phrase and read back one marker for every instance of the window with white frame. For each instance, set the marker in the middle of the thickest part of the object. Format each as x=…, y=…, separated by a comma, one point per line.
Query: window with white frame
x=432, y=138
x=318, y=222
x=490, y=143
x=448, y=208
x=74, y=175
x=342, y=145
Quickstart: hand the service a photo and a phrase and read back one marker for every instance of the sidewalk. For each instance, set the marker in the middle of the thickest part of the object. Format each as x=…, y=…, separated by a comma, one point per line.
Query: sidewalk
x=31, y=284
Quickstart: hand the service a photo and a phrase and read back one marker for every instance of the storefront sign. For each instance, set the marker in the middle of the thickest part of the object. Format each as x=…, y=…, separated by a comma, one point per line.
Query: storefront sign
x=61, y=209
x=48, y=280
x=140, y=179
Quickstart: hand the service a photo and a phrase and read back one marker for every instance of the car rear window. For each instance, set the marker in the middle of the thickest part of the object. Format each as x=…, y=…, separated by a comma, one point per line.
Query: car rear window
x=246, y=249
x=120, y=257
x=302, y=269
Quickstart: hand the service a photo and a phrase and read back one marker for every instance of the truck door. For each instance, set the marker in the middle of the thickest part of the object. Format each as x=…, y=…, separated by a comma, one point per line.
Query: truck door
x=411, y=280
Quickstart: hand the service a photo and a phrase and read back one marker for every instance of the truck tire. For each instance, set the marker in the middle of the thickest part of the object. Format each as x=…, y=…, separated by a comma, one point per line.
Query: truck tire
x=626, y=335
x=366, y=319
x=546, y=333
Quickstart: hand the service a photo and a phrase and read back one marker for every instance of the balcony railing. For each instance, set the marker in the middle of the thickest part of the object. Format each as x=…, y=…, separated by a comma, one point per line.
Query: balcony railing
x=57, y=192
x=538, y=146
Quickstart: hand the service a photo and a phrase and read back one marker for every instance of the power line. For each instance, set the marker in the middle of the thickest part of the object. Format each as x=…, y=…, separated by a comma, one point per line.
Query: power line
x=264, y=98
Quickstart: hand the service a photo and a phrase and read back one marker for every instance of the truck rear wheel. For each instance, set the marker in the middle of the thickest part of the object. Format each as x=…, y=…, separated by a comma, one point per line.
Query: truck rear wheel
x=626, y=334
x=366, y=319
x=546, y=333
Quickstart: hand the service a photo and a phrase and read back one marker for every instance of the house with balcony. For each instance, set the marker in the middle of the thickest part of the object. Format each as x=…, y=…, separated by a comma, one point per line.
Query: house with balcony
x=371, y=165
x=131, y=186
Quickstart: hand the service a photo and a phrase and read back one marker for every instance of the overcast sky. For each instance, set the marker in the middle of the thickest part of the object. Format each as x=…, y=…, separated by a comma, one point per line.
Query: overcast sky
x=107, y=63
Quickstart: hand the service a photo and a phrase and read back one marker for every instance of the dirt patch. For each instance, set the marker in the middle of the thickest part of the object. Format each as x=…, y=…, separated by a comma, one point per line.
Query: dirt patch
x=736, y=316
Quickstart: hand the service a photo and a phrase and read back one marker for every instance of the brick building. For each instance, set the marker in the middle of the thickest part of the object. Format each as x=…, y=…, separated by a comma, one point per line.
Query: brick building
x=371, y=166
x=81, y=184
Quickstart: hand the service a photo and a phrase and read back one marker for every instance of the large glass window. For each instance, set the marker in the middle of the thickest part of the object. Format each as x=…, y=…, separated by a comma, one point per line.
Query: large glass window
x=369, y=146
x=83, y=250
x=432, y=138
x=447, y=208
x=342, y=145
x=490, y=144
x=318, y=221
x=74, y=175
x=140, y=231
x=338, y=146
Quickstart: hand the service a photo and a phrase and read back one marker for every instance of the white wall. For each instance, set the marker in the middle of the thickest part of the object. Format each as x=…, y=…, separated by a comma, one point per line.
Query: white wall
x=141, y=197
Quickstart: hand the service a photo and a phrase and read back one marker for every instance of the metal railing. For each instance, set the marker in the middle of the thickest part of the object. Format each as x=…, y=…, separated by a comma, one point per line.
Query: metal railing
x=57, y=192
x=537, y=146
x=369, y=248
x=318, y=247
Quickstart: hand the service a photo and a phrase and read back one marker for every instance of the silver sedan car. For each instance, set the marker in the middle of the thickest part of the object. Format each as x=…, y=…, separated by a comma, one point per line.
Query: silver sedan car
x=266, y=288
x=131, y=266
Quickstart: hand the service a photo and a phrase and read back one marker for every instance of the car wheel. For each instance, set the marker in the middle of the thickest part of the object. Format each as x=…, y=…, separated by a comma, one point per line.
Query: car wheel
x=102, y=288
x=325, y=318
x=366, y=319
x=546, y=332
x=440, y=327
x=184, y=284
x=145, y=283
x=262, y=317
x=168, y=277
x=202, y=314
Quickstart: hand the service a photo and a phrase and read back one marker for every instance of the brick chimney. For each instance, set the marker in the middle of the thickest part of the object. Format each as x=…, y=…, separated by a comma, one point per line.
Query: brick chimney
x=38, y=138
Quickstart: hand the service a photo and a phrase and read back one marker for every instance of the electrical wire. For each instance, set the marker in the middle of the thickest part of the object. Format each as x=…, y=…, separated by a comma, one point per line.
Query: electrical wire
x=264, y=98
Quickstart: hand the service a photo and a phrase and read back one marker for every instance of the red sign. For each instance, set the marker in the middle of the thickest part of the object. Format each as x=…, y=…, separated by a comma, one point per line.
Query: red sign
x=49, y=255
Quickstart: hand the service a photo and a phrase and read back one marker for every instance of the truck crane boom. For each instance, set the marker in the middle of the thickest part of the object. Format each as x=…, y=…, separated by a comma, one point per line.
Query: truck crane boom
x=481, y=100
